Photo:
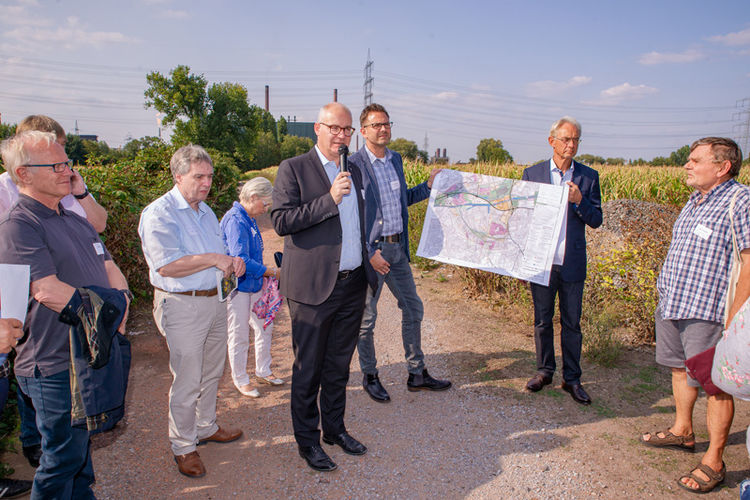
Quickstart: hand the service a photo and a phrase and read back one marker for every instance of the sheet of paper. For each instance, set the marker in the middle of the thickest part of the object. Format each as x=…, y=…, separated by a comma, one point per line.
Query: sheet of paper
x=14, y=291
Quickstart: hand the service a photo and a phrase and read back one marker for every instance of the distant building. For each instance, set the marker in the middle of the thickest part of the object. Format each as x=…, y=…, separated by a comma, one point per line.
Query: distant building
x=302, y=129
x=89, y=137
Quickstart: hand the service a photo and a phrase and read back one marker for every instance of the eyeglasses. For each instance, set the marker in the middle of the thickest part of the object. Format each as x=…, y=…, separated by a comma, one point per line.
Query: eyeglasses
x=56, y=167
x=266, y=204
x=336, y=130
x=378, y=126
x=568, y=140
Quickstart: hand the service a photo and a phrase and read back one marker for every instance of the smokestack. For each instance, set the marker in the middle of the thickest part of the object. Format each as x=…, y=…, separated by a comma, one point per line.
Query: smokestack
x=335, y=95
x=266, y=97
x=437, y=153
x=445, y=155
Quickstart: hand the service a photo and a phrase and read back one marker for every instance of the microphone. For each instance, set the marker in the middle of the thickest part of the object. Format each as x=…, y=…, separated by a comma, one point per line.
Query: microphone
x=344, y=158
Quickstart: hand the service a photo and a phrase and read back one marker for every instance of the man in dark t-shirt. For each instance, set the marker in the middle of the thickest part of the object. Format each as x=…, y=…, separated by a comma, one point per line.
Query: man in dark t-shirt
x=63, y=253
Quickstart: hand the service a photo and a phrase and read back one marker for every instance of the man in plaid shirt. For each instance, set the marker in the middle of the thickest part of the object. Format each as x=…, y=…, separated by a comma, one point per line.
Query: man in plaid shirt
x=692, y=289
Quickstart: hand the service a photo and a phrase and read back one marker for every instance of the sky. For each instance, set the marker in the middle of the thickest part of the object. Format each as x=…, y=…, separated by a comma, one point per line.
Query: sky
x=642, y=77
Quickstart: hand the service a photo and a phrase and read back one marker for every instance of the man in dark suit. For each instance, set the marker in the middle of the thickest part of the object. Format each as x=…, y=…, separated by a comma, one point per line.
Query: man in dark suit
x=387, y=227
x=319, y=211
x=566, y=280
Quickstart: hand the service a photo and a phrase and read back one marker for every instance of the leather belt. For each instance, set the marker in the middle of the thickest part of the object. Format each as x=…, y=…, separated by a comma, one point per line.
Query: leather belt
x=348, y=273
x=194, y=293
x=394, y=238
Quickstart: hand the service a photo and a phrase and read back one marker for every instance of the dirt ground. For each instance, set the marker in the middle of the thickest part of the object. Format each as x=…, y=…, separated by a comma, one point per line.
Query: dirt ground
x=484, y=438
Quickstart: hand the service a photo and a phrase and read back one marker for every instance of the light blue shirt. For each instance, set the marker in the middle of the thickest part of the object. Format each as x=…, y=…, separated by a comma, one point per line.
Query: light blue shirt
x=389, y=189
x=351, y=239
x=558, y=178
x=170, y=229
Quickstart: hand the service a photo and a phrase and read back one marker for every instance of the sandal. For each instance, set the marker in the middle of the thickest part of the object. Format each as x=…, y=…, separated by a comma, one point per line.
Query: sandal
x=670, y=441
x=714, y=478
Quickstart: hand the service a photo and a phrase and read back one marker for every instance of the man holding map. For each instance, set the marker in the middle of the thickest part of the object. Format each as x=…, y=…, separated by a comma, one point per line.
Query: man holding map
x=566, y=279
x=387, y=235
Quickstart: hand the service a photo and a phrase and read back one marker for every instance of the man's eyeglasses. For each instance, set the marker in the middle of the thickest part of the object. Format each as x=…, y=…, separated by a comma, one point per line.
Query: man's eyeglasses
x=336, y=130
x=568, y=140
x=56, y=167
x=378, y=126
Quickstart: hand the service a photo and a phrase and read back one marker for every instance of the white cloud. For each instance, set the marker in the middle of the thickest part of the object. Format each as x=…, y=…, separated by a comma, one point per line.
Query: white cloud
x=733, y=39
x=687, y=56
x=175, y=14
x=548, y=88
x=623, y=92
x=445, y=96
x=29, y=36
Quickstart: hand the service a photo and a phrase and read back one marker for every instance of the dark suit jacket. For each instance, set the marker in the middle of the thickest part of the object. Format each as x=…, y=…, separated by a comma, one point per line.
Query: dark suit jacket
x=374, y=206
x=306, y=215
x=588, y=212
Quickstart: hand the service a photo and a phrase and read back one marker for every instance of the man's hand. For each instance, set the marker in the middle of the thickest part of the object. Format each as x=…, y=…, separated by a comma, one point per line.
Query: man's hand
x=10, y=332
x=379, y=263
x=432, y=176
x=121, y=328
x=341, y=187
x=574, y=194
x=238, y=265
x=77, y=186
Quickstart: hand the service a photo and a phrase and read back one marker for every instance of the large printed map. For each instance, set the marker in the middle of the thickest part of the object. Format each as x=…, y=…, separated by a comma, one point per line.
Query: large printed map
x=505, y=226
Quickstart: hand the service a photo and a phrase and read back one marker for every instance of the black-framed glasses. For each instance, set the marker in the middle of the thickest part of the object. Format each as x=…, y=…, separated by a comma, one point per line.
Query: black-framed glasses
x=336, y=130
x=568, y=140
x=56, y=167
x=378, y=126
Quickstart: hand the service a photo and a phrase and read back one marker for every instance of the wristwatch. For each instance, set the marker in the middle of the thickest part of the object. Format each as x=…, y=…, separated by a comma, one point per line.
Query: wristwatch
x=82, y=195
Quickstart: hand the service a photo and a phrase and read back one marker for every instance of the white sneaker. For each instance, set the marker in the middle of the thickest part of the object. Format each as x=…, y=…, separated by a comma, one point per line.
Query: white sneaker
x=270, y=380
x=249, y=391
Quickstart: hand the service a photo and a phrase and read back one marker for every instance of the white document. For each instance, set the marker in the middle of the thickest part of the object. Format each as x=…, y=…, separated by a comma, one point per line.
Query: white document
x=504, y=226
x=14, y=291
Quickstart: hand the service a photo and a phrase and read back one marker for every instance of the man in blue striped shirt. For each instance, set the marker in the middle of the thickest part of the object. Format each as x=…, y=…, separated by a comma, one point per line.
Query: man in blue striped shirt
x=692, y=294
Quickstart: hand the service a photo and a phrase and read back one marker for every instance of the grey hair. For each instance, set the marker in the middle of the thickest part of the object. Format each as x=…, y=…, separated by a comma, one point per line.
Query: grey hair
x=562, y=121
x=328, y=108
x=183, y=159
x=258, y=186
x=16, y=151
x=722, y=149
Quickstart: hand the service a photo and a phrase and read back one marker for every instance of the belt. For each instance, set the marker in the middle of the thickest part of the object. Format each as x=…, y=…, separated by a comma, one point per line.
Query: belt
x=394, y=238
x=194, y=293
x=346, y=274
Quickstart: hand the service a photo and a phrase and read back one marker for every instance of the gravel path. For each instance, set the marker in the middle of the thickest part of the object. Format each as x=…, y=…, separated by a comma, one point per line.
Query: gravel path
x=484, y=438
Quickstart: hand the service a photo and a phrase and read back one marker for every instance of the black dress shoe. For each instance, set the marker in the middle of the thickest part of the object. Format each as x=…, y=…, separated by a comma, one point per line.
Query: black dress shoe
x=537, y=382
x=576, y=390
x=33, y=453
x=316, y=458
x=12, y=488
x=374, y=388
x=347, y=443
x=424, y=382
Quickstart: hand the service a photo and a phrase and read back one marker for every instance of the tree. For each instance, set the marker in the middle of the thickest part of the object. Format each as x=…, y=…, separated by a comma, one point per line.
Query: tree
x=7, y=130
x=267, y=151
x=218, y=116
x=590, y=159
x=133, y=146
x=615, y=161
x=680, y=157
x=492, y=151
x=408, y=149
x=75, y=149
x=281, y=129
x=291, y=145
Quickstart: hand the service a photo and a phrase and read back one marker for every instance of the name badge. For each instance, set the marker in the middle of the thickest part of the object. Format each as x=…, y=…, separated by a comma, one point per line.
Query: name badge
x=702, y=232
x=394, y=185
x=99, y=248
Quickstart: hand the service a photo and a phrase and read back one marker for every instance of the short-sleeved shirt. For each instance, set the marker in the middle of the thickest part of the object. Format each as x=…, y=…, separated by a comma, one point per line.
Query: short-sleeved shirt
x=170, y=229
x=695, y=275
x=53, y=244
x=389, y=189
x=9, y=195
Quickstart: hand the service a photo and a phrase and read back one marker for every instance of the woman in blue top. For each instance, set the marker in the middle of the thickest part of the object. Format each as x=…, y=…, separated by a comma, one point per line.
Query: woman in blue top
x=243, y=239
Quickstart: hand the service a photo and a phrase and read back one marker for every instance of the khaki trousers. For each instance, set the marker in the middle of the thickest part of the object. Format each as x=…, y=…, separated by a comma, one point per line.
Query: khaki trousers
x=196, y=333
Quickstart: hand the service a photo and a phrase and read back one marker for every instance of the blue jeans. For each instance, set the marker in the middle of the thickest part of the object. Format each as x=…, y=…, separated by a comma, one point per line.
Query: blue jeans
x=65, y=469
x=401, y=283
x=29, y=433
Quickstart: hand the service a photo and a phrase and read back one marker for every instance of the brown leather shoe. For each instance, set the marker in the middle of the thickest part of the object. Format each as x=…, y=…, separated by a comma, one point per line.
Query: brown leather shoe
x=190, y=464
x=222, y=436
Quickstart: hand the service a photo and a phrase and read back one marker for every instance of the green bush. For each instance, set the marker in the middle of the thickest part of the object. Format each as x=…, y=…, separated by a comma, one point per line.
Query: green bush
x=127, y=186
